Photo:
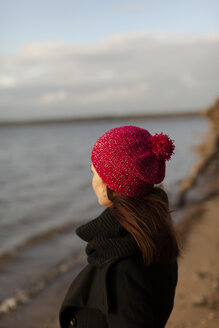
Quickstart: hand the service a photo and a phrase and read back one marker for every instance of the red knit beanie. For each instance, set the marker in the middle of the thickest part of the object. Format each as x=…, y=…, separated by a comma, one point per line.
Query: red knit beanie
x=130, y=160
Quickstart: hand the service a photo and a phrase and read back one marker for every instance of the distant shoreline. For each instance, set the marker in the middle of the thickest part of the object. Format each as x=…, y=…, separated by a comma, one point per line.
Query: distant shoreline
x=99, y=118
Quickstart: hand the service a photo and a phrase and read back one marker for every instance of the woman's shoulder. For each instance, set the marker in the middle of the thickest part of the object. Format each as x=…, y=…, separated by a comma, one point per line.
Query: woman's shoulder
x=132, y=269
x=134, y=263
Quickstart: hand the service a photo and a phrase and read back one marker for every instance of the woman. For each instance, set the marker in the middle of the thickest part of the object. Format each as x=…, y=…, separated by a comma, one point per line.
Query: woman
x=132, y=250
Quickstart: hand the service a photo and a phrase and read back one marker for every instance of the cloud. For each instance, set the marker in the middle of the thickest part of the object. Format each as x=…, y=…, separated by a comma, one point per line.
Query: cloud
x=189, y=80
x=141, y=71
x=53, y=97
x=7, y=81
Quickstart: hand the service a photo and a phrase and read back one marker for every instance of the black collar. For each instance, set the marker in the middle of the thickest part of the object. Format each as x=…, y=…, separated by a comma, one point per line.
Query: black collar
x=106, y=239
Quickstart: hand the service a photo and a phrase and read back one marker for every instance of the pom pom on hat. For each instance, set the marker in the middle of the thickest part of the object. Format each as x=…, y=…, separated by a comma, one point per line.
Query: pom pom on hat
x=162, y=146
x=130, y=160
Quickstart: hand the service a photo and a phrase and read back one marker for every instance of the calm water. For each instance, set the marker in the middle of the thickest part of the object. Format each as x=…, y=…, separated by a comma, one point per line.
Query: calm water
x=46, y=190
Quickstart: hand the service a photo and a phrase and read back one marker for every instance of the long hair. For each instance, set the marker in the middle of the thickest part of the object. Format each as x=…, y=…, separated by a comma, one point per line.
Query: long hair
x=149, y=221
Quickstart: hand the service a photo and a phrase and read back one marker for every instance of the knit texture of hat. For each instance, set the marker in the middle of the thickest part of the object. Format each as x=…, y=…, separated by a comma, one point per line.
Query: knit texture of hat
x=106, y=239
x=130, y=160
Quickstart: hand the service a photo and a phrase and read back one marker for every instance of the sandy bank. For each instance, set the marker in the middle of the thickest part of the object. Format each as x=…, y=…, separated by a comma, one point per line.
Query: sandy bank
x=197, y=295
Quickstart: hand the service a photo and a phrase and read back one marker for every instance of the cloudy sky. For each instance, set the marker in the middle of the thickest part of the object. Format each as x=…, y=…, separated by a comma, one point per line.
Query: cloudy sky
x=65, y=58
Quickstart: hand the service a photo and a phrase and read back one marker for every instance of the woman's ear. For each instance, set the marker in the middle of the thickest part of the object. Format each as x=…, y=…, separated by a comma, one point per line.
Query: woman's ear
x=104, y=190
x=105, y=199
x=100, y=188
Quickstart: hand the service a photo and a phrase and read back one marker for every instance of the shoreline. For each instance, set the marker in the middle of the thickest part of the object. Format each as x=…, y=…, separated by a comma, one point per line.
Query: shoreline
x=197, y=293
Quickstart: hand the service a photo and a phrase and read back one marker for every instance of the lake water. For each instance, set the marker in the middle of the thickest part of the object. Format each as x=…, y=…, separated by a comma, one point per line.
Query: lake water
x=46, y=191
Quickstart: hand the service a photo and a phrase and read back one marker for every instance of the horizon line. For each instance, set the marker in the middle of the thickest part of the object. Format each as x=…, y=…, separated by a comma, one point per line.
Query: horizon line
x=81, y=119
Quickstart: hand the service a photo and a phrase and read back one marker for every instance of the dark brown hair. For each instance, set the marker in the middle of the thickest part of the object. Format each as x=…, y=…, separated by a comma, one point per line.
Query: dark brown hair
x=149, y=221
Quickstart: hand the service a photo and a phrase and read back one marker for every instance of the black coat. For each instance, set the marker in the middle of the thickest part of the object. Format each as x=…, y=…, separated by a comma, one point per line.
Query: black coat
x=121, y=293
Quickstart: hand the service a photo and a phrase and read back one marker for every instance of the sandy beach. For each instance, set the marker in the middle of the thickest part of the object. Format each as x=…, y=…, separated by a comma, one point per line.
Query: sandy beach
x=197, y=294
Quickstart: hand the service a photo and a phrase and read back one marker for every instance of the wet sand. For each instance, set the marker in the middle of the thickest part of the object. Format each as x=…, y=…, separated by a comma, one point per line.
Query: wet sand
x=43, y=310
